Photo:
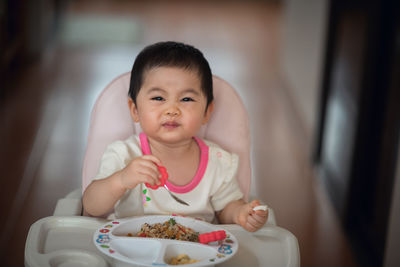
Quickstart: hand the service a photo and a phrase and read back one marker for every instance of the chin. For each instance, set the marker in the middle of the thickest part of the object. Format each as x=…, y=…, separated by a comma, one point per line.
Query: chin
x=172, y=138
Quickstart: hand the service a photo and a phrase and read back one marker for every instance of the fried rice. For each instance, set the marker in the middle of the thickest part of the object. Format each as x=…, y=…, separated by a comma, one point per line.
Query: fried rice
x=168, y=230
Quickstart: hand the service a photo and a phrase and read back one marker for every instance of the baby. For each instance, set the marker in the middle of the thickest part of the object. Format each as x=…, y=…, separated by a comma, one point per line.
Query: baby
x=171, y=96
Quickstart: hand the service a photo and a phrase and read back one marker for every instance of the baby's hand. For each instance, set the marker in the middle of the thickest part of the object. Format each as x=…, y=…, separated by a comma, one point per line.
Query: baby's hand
x=252, y=220
x=141, y=170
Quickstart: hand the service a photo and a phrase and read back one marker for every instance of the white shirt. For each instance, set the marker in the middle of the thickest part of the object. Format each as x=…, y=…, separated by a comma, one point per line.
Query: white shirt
x=212, y=188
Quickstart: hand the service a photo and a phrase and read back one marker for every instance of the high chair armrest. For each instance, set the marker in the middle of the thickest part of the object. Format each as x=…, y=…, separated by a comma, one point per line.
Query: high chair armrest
x=77, y=193
x=71, y=205
x=271, y=217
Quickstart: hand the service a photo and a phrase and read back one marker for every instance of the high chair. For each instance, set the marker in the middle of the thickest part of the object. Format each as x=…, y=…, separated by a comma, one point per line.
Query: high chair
x=110, y=121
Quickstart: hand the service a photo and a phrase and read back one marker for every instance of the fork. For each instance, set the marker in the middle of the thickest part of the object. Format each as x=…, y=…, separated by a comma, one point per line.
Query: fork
x=164, y=177
x=175, y=197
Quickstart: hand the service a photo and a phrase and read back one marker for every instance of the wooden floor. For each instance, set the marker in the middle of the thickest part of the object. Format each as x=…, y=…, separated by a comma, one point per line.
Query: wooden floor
x=44, y=114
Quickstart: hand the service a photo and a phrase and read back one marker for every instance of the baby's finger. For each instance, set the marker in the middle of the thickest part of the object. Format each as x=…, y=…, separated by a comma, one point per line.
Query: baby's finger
x=256, y=224
x=260, y=218
x=149, y=180
x=144, y=163
x=248, y=209
x=150, y=173
x=261, y=213
x=148, y=167
x=152, y=158
x=255, y=203
x=251, y=226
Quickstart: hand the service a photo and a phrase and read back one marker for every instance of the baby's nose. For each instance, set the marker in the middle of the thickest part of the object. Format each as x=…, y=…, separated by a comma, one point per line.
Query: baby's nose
x=173, y=111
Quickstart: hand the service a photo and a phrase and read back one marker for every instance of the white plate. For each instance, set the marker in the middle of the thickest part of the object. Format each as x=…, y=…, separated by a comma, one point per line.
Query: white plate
x=112, y=240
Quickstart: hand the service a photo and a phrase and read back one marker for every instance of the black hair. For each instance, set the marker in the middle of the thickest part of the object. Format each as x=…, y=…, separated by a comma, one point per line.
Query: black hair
x=171, y=54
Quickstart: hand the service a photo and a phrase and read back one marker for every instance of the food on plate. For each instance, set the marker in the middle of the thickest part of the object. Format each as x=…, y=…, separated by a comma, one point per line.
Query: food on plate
x=181, y=259
x=168, y=230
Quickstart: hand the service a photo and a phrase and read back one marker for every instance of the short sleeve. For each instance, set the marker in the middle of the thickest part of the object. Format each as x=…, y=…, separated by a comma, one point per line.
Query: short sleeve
x=118, y=155
x=228, y=190
x=110, y=162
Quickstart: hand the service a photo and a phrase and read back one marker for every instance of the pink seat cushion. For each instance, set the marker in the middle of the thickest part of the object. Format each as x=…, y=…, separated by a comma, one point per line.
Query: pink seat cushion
x=111, y=121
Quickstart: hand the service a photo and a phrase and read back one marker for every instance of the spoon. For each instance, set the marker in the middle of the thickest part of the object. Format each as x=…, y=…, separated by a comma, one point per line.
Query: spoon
x=261, y=207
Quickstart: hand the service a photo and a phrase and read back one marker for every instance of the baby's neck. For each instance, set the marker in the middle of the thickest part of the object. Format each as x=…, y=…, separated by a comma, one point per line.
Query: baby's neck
x=172, y=150
x=181, y=160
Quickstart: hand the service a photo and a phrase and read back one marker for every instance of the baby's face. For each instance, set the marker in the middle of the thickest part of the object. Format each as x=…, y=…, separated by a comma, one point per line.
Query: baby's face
x=170, y=106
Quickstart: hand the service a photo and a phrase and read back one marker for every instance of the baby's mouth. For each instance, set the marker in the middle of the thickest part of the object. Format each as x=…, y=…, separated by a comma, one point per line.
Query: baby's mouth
x=170, y=124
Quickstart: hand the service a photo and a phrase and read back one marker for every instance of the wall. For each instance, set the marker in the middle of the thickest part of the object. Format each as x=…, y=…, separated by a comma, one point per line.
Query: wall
x=303, y=33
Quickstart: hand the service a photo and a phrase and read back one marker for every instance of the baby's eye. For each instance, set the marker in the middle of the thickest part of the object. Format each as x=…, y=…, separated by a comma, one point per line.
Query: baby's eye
x=157, y=98
x=187, y=99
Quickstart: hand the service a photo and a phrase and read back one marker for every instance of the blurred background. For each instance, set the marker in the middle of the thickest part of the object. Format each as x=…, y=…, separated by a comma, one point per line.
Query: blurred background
x=320, y=80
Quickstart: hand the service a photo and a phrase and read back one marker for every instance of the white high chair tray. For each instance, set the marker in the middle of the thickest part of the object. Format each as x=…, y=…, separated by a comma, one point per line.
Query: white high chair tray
x=112, y=240
x=68, y=241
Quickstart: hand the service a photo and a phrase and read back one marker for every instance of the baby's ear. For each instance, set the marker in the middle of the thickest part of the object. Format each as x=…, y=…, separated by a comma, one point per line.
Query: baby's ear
x=133, y=110
x=208, y=112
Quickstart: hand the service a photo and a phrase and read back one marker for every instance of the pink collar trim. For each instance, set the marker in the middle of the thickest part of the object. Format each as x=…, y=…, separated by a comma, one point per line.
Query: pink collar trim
x=200, y=170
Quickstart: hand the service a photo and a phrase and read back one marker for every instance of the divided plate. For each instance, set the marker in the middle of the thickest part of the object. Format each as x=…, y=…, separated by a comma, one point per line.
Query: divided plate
x=112, y=240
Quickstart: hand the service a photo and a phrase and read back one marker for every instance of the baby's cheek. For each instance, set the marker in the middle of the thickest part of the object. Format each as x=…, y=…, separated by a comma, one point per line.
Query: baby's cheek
x=193, y=126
